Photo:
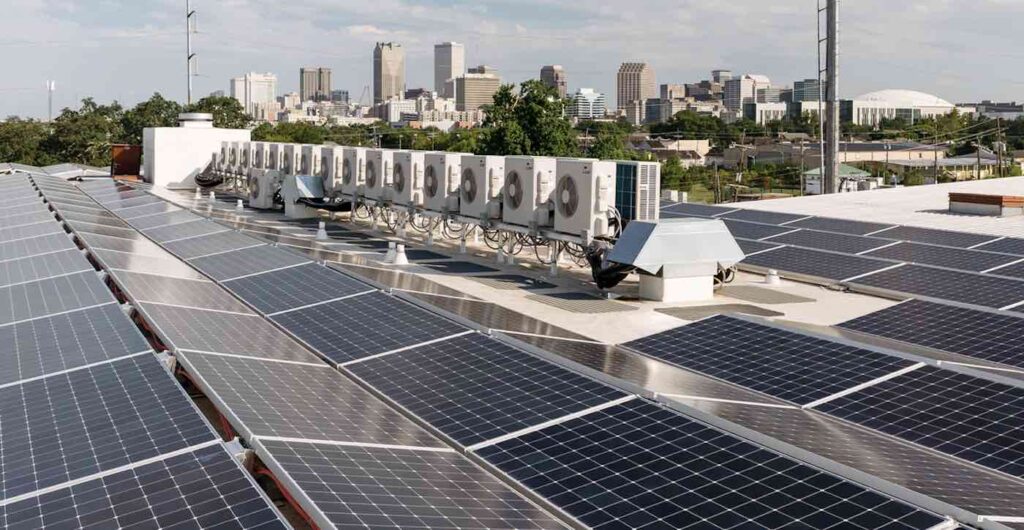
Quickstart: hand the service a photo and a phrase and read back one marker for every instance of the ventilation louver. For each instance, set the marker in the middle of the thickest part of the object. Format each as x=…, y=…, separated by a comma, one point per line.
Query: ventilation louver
x=469, y=189
x=567, y=196
x=514, y=189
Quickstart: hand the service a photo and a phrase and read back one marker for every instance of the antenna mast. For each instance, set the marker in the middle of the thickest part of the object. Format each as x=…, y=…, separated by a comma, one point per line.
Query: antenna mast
x=189, y=56
x=828, y=92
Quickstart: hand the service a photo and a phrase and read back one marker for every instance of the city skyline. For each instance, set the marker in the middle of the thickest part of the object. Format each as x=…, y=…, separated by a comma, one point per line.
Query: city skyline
x=87, y=49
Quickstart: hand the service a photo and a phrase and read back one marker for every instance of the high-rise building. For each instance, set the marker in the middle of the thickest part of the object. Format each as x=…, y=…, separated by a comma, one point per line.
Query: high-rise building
x=742, y=90
x=388, y=71
x=807, y=90
x=257, y=93
x=673, y=91
x=721, y=76
x=290, y=100
x=476, y=88
x=449, y=63
x=634, y=83
x=587, y=104
x=554, y=76
x=315, y=83
x=339, y=96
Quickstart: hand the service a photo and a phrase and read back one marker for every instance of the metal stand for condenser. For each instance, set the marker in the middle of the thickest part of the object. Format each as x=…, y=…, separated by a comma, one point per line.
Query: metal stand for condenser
x=501, y=248
x=554, y=254
x=511, y=260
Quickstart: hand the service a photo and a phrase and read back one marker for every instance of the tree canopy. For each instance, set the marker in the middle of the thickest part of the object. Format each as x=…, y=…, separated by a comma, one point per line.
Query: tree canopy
x=530, y=122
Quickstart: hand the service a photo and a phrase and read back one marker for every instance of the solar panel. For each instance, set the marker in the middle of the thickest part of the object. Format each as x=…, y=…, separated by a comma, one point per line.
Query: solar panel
x=153, y=266
x=844, y=243
x=120, y=204
x=248, y=335
x=163, y=219
x=973, y=333
x=474, y=388
x=754, y=230
x=178, y=291
x=377, y=487
x=843, y=226
x=71, y=425
x=72, y=208
x=816, y=263
x=165, y=234
x=204, y=488
x=758, y=216
x=701, y=210
x=54, y=295
x=266, y=398
x=15, y=212
x=211, y=244
x=23, y=219
x=101, y=218
x=953, y=258
x=41, y=267
x=966, y=287
x=638, y=465
x=366, y=325
x=247, y=261
x=62, y=342
x=961, y=415
x=138, y=246
x=751, y=247
x=104, y=230
x=34, y=230
x=784, y=364
x=33, y=246
x=1014, y=271
x=294, y=287
x=1007, y=245
x=146, y=209
x=935, y=237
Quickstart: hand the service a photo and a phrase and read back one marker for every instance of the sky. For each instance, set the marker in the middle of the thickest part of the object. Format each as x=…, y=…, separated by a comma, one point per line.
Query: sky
x=960, y=50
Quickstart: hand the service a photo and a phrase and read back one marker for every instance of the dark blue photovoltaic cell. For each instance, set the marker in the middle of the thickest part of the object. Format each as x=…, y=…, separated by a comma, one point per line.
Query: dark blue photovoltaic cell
x=956, y=286
x=1007, y=245
x=780, y=363
x=961, y=415
x=816, y=263
x=843, y=226
x=474, y=388
x=638, y=465
x=951, y=258
x=936, y=237
x=72, y=425
x=294, y=287
x=201, y=489
x=973, y=333
x=844, y=243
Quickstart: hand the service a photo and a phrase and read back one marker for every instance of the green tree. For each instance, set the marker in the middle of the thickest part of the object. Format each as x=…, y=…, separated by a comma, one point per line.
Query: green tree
x=21, y=141
x=530, y=122
x=227, y=112
x=85, y=135
x=672, y=173
x=154, y=112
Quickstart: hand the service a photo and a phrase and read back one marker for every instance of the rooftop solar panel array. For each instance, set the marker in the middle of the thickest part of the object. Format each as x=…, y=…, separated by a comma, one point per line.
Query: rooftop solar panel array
x=1008, y=245
x=178, y=292
x=245, y=262
x=295, y=287
x=937, y=237
x=974, y=333
x=817, y=263
x=50, y=265
x=637, y=465
x=757, y=216
x=943, y=284
x=701, y=210
x=847, y=244
x=952, y=258
x=754, y=231
x=777, y=362
x=53, y=295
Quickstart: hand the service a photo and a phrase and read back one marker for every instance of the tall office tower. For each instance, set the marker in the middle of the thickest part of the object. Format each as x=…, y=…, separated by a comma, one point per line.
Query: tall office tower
x=808, y=90
x=339, y=96
x=635, y=83
x=475, y=89
x=742, y=90
x=554, y=76
x=257, y=93
x=721, y=76
x=673, y=91
x=587, y=104
x=388, y=71
x=449, y=63
x=315, y=83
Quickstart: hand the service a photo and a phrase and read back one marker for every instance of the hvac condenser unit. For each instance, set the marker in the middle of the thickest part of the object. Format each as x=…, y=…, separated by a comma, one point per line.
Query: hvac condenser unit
x=353, y=171
x=297, y=188
x=441, y=181
x=331, y=160
x=584, y=194
x=379, y=168
x=407, y=182
x=233, y=158
x=480, y=186
x=529, y=182
x=309, y=161
x=637, y=190
x=260, y=153
x=291, y=159
x=264, y=188
x=221, y=166
x=276, y=156
x=244, y=157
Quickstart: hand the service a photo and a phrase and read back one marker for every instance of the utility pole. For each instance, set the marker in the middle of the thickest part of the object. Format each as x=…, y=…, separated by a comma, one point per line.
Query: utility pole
x=977, y=147
x=189, y=56
x=831, y=96
x=50, y=87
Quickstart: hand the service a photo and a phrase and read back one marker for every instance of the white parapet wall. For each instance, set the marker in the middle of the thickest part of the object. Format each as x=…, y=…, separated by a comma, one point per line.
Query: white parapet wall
x=173, y=156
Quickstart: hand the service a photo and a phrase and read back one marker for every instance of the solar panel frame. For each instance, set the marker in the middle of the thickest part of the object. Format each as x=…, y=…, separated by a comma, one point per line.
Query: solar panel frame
x=975, y=419
x=267, y=398
x=947, y=238
x=379, y=487
x=247, y=261
x=54, y=295
x=301, y=286
x=62, y=342
x=834, y=242
x=34, y=268
x=365, y=325
x=815, y=264
x=203, y=488
x=638, y=465
x=71, y=425
x=474, y=388
x=843, y=226
x=948, y=257
x=972, y=333
x=229, y=333
x=199, y=227
x=784, y=364
x=943, y=284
